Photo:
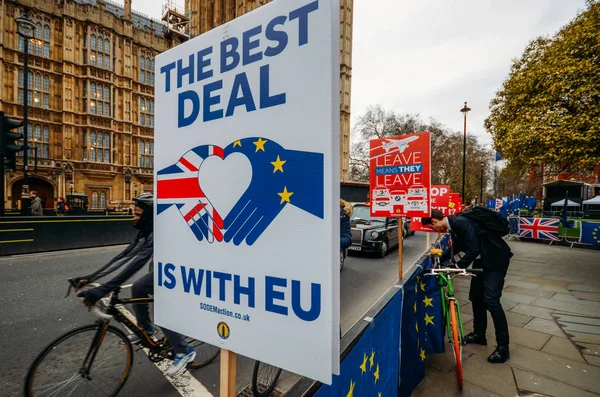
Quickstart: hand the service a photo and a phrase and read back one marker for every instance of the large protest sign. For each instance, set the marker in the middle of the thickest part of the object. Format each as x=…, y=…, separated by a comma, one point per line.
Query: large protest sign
x=400, y=179
x=247, y=185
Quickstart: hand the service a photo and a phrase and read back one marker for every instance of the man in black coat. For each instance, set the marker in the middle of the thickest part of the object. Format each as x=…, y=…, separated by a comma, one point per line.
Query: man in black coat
x=487, y=252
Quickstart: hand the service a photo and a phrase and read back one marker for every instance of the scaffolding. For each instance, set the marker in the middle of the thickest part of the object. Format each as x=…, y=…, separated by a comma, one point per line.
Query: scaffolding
x=176, y=19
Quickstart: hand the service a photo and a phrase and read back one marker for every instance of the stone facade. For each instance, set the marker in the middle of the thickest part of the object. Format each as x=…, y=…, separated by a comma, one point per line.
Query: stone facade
x=91, y=106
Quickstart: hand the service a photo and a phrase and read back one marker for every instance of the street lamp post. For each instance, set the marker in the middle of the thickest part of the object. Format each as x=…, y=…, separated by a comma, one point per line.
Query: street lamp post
x=464, y=111
x=25, y=29
x=71, y=186
x=481, y=196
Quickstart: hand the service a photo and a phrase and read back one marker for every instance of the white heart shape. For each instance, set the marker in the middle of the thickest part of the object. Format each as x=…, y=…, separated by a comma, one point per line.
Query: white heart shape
x=214, y=173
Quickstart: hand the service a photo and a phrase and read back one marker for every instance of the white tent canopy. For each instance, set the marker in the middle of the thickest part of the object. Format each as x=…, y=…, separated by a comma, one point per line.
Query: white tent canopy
x=595, y=200
x=562, y=202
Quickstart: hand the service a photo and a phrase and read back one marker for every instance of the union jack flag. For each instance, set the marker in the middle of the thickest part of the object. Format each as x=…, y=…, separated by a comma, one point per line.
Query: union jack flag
x=178, y=185
x=540, y=228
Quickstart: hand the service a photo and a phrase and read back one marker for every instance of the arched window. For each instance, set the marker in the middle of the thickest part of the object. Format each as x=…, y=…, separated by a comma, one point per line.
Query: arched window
x=93, y=42
x=146, y=69
x=21, y=79
x=46, y=33
x=107, y=46
x=38, y=31
x=100, y=43
x=39, y=138
x=146, y=154
x=146, y=112
x=38, y=81
x=95, y=200
x=102, y=199
x=98, y=147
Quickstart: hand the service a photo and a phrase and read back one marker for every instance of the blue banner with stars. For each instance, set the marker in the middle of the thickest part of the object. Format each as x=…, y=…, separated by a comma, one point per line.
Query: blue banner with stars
x=371, y=368
x=422, y=324
x=590, y=233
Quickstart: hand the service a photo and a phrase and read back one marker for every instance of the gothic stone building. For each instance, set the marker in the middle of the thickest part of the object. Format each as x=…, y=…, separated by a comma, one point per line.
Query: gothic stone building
x=91, y=85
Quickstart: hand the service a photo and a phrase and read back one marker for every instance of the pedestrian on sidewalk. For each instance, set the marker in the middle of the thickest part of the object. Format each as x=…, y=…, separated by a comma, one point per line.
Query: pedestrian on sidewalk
x=485, y=250
x=36, y=204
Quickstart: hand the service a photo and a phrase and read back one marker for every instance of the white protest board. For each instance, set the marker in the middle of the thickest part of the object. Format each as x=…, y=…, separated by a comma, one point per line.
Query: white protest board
x=247, y=185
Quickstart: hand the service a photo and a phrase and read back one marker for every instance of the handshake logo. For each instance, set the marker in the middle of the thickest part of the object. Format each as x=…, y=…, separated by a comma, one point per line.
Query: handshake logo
x=279, y=177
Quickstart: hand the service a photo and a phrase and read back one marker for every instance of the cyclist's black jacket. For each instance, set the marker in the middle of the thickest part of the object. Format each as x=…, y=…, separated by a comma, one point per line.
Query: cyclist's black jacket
x=132, y=259
x=468, y=237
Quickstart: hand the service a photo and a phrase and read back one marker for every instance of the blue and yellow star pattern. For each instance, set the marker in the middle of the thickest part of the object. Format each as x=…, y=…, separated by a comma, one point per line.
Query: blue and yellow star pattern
x=371, y=368
x=590, y=233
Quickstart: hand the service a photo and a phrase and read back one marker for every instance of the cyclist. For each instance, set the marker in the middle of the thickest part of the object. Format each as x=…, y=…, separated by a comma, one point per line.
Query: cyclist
x=132, y=259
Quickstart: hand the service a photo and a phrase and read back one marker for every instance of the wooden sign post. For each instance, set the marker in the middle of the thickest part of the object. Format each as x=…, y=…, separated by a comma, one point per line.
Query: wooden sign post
x=228, y=368
x=400, y=243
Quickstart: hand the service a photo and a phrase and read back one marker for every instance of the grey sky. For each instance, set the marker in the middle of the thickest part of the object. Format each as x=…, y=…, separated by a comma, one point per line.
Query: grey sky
x=429, y=56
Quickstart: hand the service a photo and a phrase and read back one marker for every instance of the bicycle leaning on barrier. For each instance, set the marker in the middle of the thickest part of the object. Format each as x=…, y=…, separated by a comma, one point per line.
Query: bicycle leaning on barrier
x=451, y=306
x=96, y=359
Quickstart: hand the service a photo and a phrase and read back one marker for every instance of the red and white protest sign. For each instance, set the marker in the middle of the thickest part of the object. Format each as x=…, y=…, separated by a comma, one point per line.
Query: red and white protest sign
x=455, y=204
x=440, y=197
x=401, y=175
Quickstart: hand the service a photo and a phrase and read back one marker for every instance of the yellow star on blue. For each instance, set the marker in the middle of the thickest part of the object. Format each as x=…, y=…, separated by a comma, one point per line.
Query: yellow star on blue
x=351, y=391
x=429, y=319
x=427, y=301
x=237, y=143
x=363, y=366
x=260, y=144
x=372, y=360
x=376, y=374
x=422, y=286
x=285, y=195
x=422, y=355
x=278, y=164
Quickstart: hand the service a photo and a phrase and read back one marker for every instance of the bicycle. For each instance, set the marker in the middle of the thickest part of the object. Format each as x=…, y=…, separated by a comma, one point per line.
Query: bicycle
x=451, y=306
x=102, y=335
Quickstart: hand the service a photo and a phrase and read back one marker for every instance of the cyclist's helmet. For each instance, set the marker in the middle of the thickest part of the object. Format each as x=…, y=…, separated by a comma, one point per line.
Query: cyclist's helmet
x=145, y=201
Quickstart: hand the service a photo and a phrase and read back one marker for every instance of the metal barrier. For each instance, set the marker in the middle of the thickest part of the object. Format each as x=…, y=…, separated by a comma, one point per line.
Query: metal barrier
x=23, y=235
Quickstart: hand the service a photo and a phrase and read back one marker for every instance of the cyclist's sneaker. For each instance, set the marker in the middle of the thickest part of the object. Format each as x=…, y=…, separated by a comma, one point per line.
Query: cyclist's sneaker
x=134, y=339
x=180, y=362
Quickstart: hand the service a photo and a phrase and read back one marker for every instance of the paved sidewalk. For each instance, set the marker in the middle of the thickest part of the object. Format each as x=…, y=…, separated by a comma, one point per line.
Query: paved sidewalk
x=552, y=303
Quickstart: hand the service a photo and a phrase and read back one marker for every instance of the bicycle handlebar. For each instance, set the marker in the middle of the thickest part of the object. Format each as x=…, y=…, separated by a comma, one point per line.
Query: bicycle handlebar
x=95, y=309
x=457, y=271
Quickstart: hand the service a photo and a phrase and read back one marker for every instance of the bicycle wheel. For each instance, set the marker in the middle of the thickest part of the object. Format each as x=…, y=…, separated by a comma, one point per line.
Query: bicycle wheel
x=59, y=369
x=457, y=346
x=205, y=353
x=264, y=379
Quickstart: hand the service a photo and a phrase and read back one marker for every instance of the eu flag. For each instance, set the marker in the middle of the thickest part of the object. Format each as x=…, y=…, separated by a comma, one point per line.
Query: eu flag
x=371, y=367
x=412, y=352
x=433, y=315
x=590, y=233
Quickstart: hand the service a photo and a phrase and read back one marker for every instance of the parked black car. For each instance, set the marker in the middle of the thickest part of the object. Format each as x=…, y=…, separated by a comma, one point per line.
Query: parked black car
x=375, y=235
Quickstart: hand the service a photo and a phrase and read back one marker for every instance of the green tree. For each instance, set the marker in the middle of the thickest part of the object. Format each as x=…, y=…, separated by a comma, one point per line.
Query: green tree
x=548, y=110
x=446, y=149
